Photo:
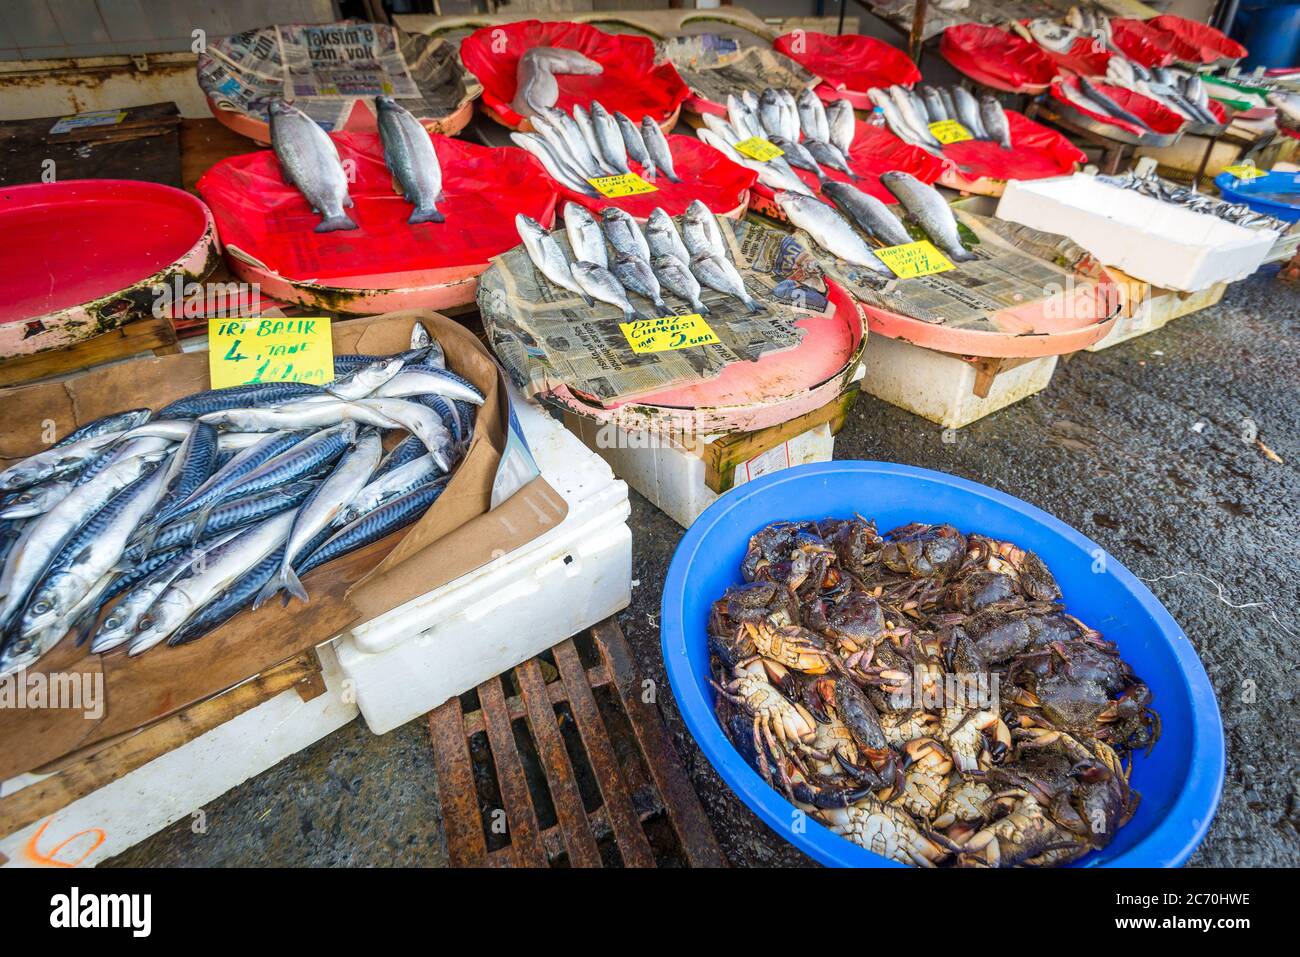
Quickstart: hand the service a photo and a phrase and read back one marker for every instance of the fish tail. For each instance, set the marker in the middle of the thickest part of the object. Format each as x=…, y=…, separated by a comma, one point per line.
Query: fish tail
x=289, y=579
x=673, y=176
x=331, y=223
x=268, y=591
x=754, y=306
x=426, y=214
x=701, y=308
x=662, y=309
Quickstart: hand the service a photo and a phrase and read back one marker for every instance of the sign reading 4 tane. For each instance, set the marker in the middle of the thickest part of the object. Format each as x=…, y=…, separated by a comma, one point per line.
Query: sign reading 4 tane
x=668, y=333
x=241, y=351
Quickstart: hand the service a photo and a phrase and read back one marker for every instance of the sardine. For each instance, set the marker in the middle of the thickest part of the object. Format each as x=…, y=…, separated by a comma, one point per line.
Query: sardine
x=623, y=233
x=926, y=205
x=830, y=230
x=636, y=276
x=995, y=121
x=662, y=238
x=718, y=273
x=411, y=158
x=675, y=276
x=602, y=284
x=656, y=145
x=310, y=163
x=547, y=255
x=872, y=216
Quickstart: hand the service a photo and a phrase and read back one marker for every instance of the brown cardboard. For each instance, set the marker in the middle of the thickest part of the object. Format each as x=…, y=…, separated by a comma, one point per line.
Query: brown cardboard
x=456, y=535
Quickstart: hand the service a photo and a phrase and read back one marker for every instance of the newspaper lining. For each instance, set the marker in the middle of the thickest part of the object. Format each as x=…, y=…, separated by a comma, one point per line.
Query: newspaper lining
x=714, y=69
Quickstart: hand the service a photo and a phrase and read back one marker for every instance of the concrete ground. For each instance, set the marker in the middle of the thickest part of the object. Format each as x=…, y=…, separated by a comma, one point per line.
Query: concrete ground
x=1148, y=448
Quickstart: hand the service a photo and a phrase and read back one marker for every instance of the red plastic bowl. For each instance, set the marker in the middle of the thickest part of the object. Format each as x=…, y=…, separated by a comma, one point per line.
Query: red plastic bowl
x=632, y=82
x=1141, y=42
x=79, y=257
x=850, y=64
x=1197, y=42
x=997, y=58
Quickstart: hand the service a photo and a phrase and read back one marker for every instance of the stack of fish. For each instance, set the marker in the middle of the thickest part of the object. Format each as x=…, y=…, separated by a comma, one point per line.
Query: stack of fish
x=876, y=221
x=589, y=145
x=310, y=162
x=1174, y=89
x=1167, y=192
x=1060, y=35
x=536, y=89
x=219, y=500
x=810, y=135
x=612, y=257
x=909, y=114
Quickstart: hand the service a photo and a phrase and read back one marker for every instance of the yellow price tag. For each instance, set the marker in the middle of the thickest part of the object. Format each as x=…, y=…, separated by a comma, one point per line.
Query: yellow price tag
x=910, y=260
x=241, y=351
x=668, y=333
x=622, y=184
x=759, y=149
x=950, y=131
x=1245, y=171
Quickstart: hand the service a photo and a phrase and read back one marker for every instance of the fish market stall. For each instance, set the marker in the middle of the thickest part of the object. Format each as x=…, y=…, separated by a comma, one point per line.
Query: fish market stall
x=333, y=72
x=531, y=66
x=392, y=256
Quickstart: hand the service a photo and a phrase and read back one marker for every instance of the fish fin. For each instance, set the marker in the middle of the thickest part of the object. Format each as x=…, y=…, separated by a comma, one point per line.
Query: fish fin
x=268, y=591
x=702, y=309
x=200, y=522
x=587, y=299
x=672, y=176
x=347, y=202
x=331, y=223
x=754, y=306
x=289, y=579
x=426, y=216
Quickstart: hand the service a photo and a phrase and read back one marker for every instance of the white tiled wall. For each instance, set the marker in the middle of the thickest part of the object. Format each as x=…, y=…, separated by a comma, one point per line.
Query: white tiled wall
x=47, y=29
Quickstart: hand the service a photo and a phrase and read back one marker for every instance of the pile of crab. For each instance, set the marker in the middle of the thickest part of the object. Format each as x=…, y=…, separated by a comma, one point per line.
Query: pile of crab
x=925, y=695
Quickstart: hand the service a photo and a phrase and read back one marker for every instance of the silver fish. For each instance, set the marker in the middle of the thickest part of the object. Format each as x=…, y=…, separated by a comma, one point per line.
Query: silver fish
x=656, y=145
x=797, y=155
x=420, y=337
x=623, y=233
x=564, y=61
x=718, y=273
x=701, y=232
x=830, y=230
x=812, y=116
x=636, y=276
x=410, y=156
x=675, y=276
x=872, y=216
x=934, y=107
x=995, y=121
x=949, y=105
x=364, y=381
x=771, y=112
x=580, y=162
x=968, y=112
x=576, y=140
x=896, y=123
x=662, y=238
x=387, y=487
x=586, y=238
x=430, y=381
x=906, y=108
x=559, y=171
x=547, y=255
x=56, y=461
x=828, y=155
x=36, y=500
x=609, y=138
x=926, y=205
x=776, y=174
x=1108, y=105
x=745, y=123
x=842, y=125
x=601, y=284
x=310, y=163
x=204, y=581
x=583, y=119
x=113, y=422
x=326, y=501
x=791, y=110
x=635, y=145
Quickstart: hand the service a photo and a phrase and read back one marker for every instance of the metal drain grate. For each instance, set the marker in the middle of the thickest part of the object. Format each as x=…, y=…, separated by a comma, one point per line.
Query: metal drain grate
x=560, y=762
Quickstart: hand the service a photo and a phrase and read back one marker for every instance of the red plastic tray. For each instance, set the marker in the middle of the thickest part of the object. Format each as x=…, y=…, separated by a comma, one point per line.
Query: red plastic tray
x=270, y=221
x=849, y=64
x=1195, y=42
x=1160, y=119
x=69, y=248
x=1141, y=42
x=705, y=174
x=1036, y=153
x=997, y=58
x=632, y=82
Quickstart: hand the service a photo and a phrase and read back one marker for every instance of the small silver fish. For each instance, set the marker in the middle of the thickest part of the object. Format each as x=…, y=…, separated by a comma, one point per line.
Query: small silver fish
x=663, y=238
x=623, y=233
x=797, y=155
x=602, y=284
x=871, y=215
x=830, y=230
x=547, y=255
x=812, y=116
x=636, y=276
x=635, y=145
x=586, y=238
x=828, y=155
x=656, y=145
x=701, y=232
x=310, y=163
x=968, y=112
x=995, y=121
x=718, y=273
x=675, y=276
x=583, y=119
x=609, y=138
x=410, y=156
x=842, y=125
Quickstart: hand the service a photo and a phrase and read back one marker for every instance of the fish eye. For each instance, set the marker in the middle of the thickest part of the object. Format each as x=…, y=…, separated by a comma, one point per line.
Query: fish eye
x=41, y=607
x=112, y=621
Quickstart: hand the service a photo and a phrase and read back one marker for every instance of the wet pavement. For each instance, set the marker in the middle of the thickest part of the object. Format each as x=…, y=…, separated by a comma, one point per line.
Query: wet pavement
x=1155, y=448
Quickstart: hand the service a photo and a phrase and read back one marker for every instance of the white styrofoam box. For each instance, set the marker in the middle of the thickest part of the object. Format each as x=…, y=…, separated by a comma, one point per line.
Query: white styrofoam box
x=941, y=387
x=420, y=654
x=1156, y=242
x=124, y=812
x=671, y=475
x=1156, y=311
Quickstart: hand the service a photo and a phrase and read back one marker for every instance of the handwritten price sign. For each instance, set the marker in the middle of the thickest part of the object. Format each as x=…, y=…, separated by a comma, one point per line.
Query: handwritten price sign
x=1245, y=171
x=911, y=260
x=622, y=184
x=668, y=333
x=950, y=131
x=759, y=149
x=241, y=351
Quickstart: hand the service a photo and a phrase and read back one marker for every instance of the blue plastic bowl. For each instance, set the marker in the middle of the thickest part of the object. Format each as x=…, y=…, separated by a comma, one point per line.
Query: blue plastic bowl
x=1255, y=193
x=1180, y=782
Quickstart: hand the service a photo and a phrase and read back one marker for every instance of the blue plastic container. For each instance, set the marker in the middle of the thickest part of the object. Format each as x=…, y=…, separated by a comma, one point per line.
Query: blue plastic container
x=1272, y=34
x=1270, y=194
x=1180, y=782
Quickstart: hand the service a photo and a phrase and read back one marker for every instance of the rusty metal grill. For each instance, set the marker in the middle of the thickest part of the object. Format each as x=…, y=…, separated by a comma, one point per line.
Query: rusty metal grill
x=560, y=762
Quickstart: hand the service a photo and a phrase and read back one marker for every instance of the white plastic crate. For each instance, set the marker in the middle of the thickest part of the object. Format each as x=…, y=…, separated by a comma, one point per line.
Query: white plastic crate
x=420, y=654
x=1156, y=311
x=941, y=387
x=672, y=476
x=1153, y=241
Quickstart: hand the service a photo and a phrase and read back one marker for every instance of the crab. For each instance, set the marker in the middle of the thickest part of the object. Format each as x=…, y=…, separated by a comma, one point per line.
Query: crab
x=888, y=831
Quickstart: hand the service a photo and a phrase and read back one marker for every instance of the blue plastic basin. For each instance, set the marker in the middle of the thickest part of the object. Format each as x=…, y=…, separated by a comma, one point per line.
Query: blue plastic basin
x=1263, y=193
x=1180, y=782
